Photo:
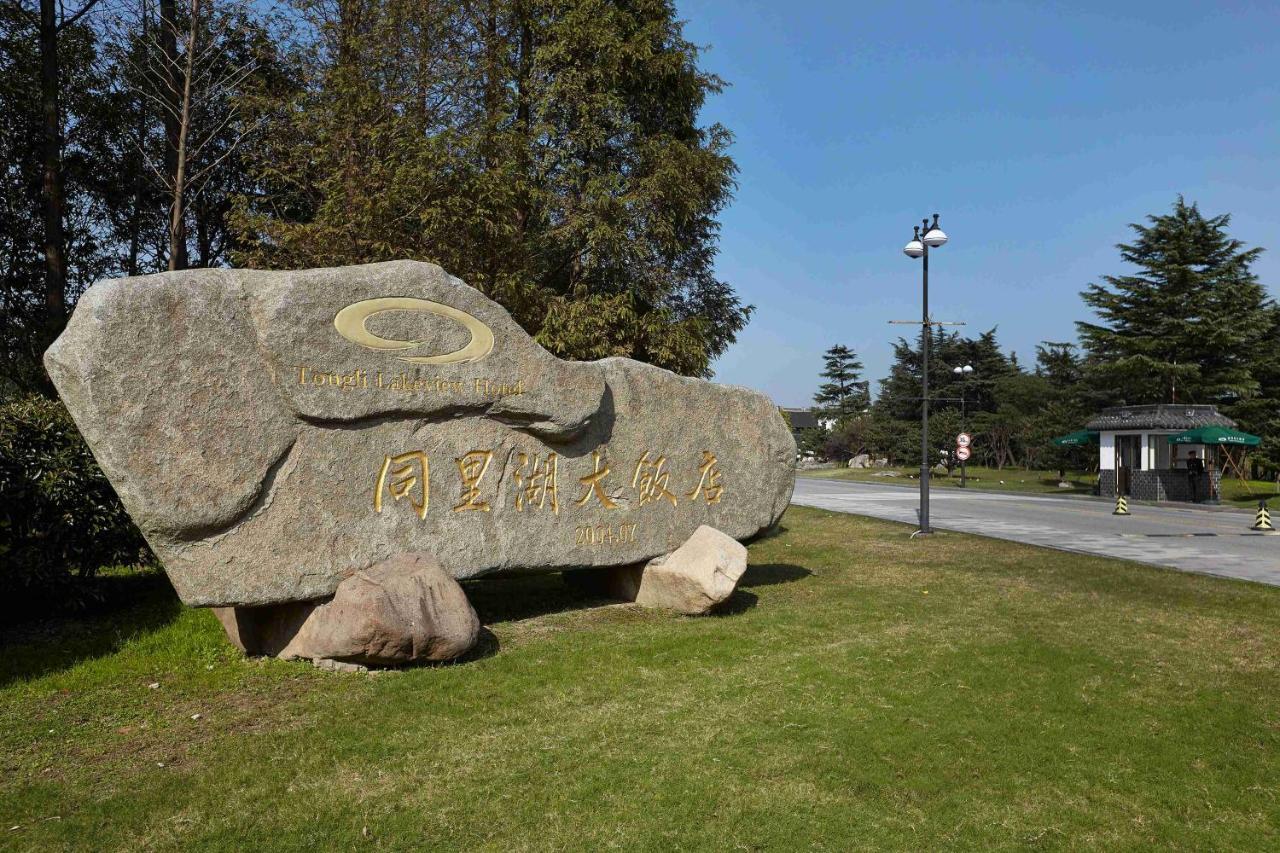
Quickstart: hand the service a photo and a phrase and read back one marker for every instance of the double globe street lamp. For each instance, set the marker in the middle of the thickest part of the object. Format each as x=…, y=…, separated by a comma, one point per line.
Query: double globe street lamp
x=963, y=373
x=934, y=237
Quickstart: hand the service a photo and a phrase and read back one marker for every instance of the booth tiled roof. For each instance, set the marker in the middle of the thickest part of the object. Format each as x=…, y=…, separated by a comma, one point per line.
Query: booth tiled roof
x=1160, y=416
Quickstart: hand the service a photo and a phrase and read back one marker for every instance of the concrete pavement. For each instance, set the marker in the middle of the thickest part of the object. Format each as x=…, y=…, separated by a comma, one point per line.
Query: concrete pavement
x=1194, y=540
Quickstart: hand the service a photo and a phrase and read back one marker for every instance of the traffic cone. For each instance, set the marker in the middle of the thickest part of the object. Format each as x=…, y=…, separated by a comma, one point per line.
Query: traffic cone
x=1262, y=521
x=1122, y=505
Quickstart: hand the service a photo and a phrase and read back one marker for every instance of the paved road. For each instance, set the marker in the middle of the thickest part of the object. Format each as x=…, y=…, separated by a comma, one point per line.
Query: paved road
x=1195, y=540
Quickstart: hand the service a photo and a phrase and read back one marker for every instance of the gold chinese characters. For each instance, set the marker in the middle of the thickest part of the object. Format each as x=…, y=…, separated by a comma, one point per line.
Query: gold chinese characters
x=536, y=486
x=411, y=469
x=594, y=483
x=650, y=480
x=535, y=483
x=472, y=467
x=709, y=486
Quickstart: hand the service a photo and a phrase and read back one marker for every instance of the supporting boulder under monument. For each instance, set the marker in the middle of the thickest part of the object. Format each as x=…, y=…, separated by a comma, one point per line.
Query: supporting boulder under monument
x=693, y=579
x=406, y=609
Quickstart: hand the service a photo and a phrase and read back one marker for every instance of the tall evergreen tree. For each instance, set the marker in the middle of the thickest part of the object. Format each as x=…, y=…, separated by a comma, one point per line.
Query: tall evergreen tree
x=1260, y=414
x=845, y=391
x=899, y=397
x=52, y=193
x=548, y=153
x=900, y=390
x=1190, y=325
x=1059, y=362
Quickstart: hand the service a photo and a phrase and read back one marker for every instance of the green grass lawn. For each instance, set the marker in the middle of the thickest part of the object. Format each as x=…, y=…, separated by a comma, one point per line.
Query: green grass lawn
x=1235, y=492
x=862, y=691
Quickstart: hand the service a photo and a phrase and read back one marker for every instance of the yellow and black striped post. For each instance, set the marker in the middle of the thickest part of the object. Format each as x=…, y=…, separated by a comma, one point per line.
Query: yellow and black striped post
x=1262, y=521
x=1122, y=505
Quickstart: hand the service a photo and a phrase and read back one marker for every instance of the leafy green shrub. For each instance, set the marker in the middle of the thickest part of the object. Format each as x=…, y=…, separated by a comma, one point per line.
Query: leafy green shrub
x=59, y=518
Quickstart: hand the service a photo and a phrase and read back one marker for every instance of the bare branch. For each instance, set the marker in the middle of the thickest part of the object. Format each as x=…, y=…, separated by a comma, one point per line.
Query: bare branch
x=71, y=22
x=231, y=149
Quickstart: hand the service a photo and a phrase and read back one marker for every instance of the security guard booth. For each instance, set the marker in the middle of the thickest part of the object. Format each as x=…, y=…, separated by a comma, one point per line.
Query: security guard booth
x=1159, y=452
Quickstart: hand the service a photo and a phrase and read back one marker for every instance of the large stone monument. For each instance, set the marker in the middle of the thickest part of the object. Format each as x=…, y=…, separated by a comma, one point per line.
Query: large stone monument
x=276, y=434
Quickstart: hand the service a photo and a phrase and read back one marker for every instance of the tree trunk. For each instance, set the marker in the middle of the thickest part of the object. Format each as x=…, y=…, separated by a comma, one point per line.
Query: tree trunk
x=177, y=213
x=139, y=185
x=524, y=115
x=492, y=84
x=173, y=131
x=55, y=258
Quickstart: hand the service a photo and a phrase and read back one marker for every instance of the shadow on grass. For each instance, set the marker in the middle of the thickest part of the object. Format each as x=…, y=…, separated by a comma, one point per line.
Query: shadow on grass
x=510, y=599
x=130, y=605
x=487, y=645
x=740, y=602
x=776, y=530
x=767, y=574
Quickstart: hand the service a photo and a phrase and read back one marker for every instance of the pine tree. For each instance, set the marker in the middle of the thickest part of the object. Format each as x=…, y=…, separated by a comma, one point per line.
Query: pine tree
x=845, y=392
x=900, y=390
x=1062, y=406
x=1192, y=323
x=548, y=153
x=1260, y=414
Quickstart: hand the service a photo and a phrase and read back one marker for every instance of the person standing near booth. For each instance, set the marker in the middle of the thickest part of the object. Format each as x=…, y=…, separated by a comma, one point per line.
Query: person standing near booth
x=1195, y=467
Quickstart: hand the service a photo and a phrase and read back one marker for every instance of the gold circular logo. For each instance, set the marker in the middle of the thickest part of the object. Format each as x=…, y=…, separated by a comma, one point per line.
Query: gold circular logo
x=350, y=323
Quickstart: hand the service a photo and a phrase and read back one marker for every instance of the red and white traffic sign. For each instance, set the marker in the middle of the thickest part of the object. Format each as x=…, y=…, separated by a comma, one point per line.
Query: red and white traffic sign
x=964, y=439
x=962, y=453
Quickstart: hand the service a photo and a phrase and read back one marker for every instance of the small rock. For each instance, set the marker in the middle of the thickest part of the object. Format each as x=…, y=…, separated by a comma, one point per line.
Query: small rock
x=695, y=577
x=405, y=609
x=329, y=665
x=195, y=716
x=155, y=685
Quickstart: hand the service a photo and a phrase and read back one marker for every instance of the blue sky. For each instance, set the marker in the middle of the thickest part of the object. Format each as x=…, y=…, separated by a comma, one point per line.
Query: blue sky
x=1037, y=130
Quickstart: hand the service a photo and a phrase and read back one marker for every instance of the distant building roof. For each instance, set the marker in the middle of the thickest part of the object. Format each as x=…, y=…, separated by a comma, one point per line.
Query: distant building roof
x=1159, y=416
x=801, y=418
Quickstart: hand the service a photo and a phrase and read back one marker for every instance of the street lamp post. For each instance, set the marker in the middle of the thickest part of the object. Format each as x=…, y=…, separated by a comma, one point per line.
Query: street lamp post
x=919, y=248
x=963, y=373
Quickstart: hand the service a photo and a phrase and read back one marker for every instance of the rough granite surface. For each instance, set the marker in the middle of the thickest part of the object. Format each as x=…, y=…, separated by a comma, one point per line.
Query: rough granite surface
x=269, y=445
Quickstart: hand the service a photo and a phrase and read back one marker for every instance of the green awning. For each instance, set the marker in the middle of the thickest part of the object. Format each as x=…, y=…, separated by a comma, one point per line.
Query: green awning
x=1215, y=435
x=1080, y=438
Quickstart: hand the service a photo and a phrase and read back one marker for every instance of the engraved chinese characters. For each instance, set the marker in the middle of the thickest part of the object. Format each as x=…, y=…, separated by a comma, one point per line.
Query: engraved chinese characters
x=288, y=450
x=536, y=482
x=651, y=480
x=410, y=470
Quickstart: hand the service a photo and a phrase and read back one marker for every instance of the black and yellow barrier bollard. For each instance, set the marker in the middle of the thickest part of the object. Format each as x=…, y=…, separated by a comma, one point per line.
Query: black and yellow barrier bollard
x=1262, y=521
x=1122, y=505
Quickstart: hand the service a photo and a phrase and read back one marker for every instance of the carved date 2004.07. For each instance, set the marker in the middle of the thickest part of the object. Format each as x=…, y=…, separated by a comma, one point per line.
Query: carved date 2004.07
x=604, y=534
